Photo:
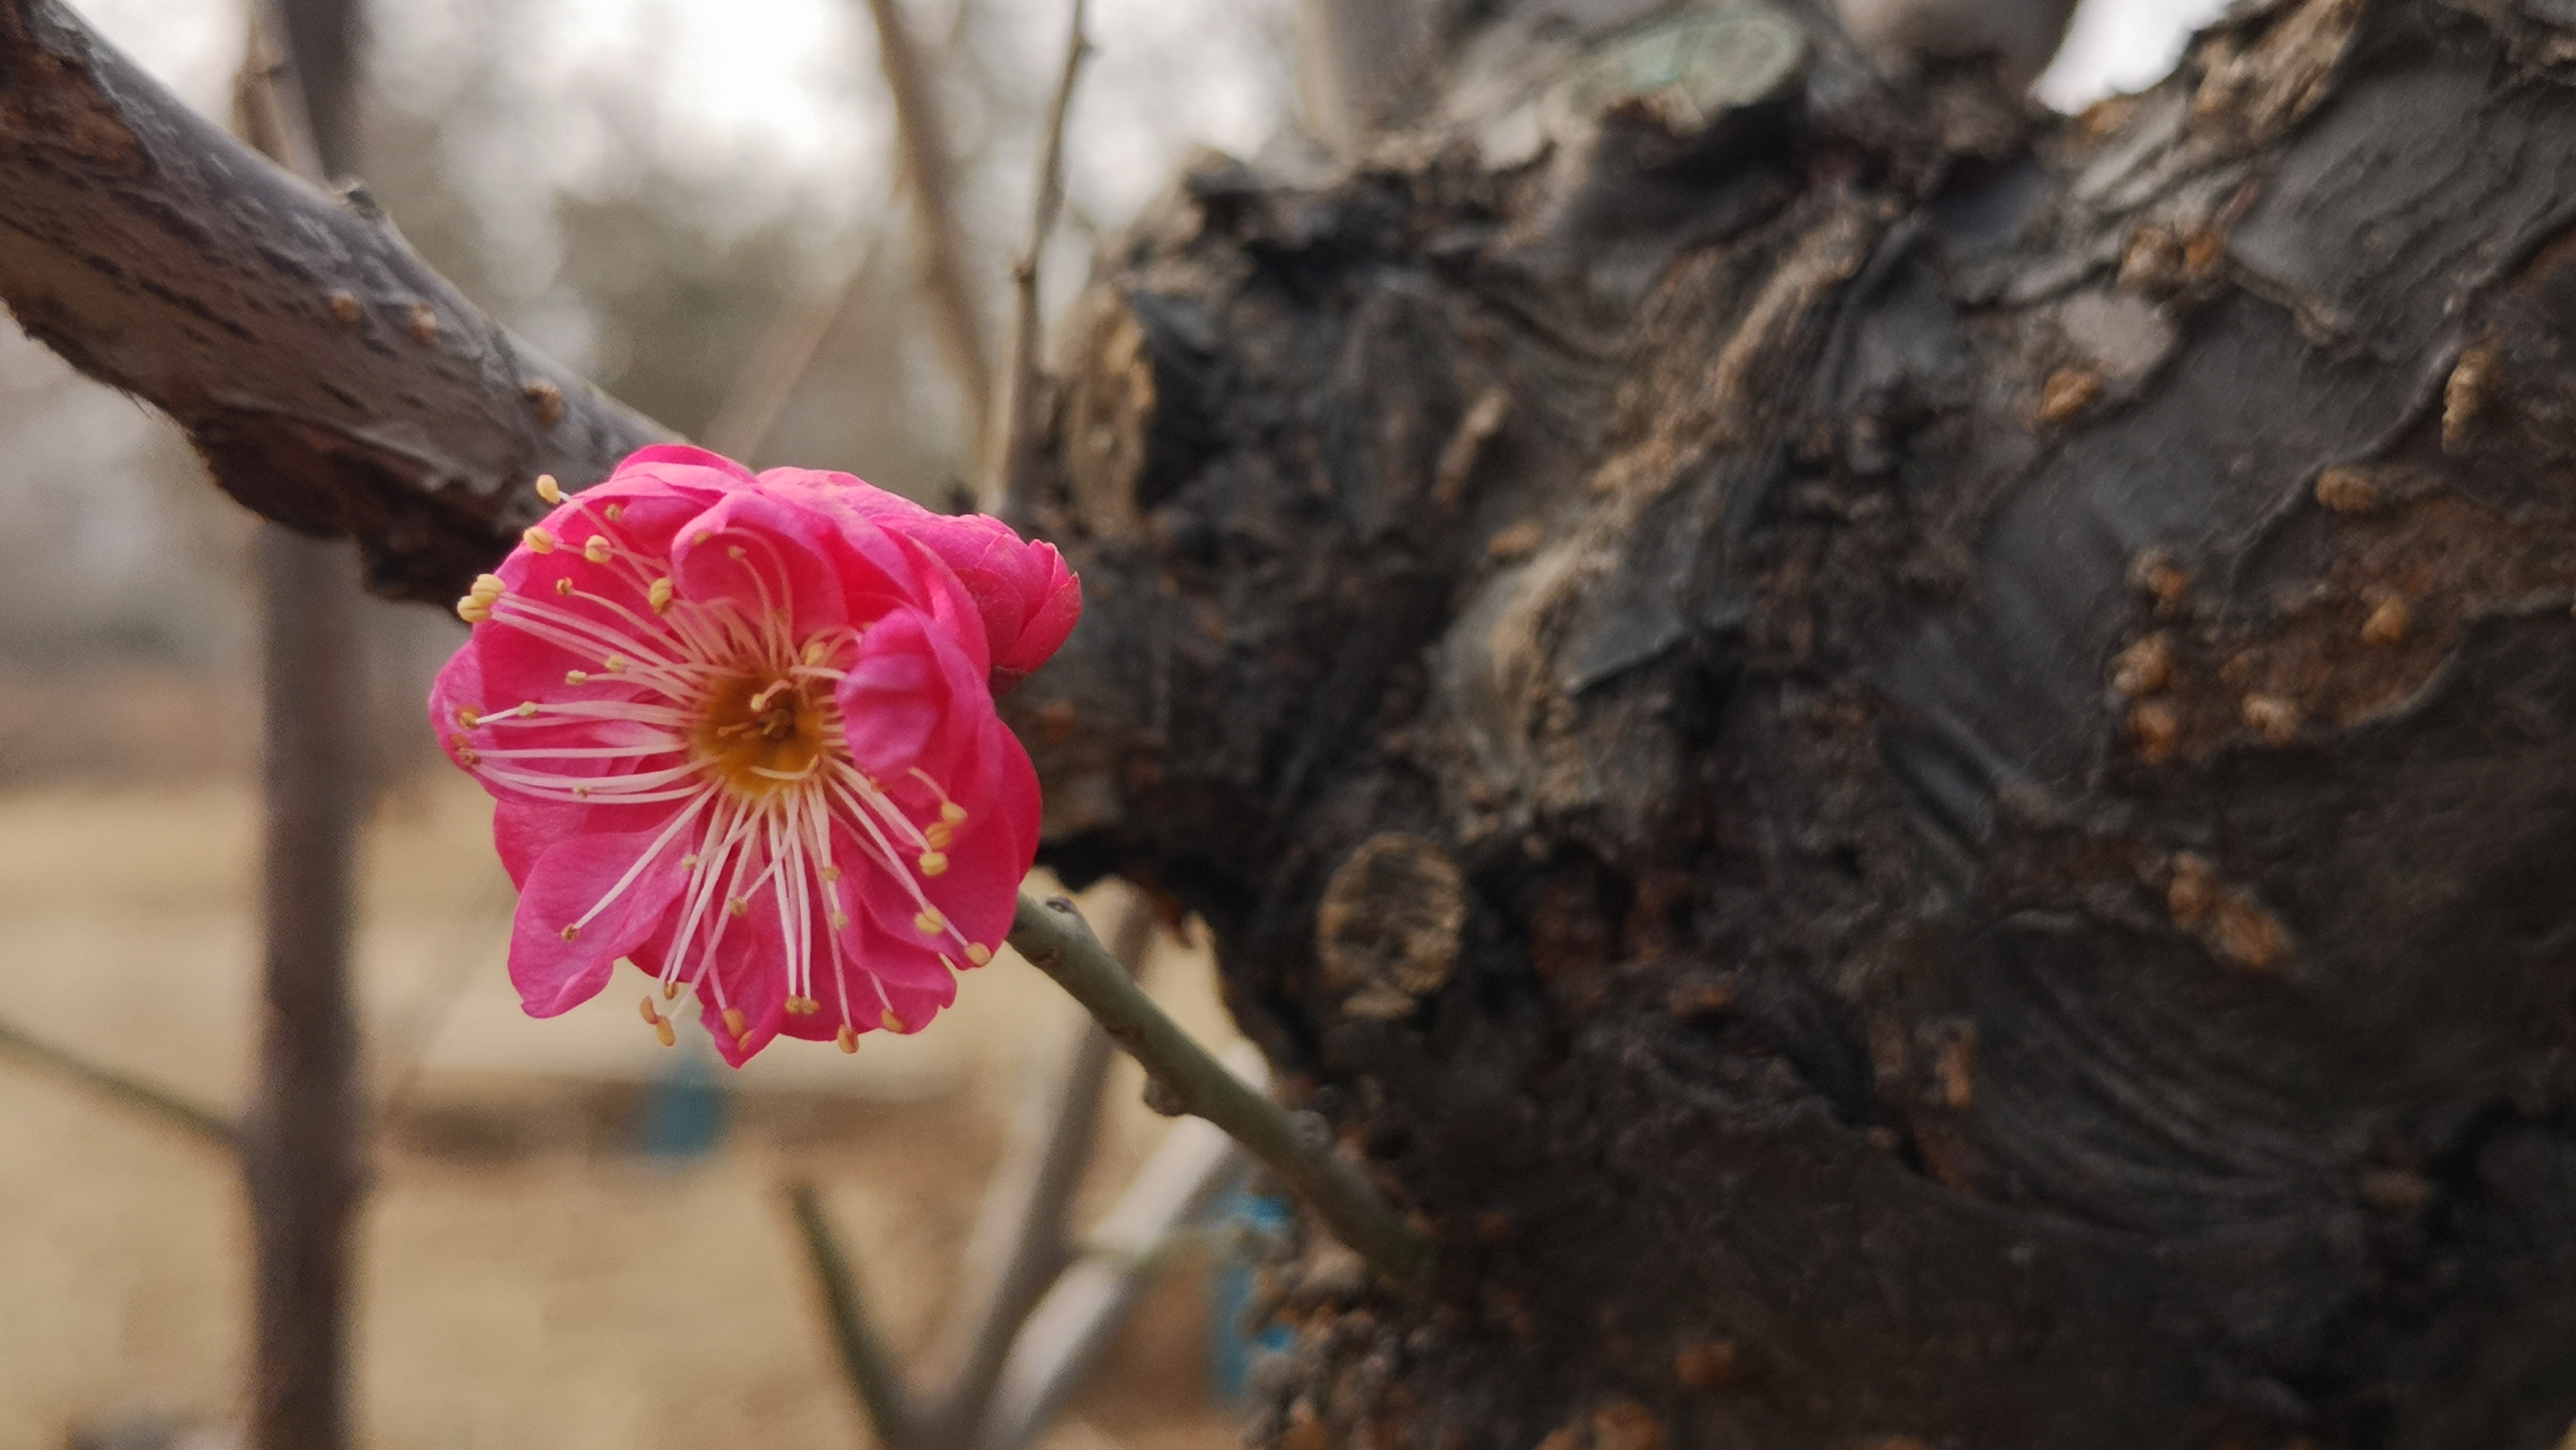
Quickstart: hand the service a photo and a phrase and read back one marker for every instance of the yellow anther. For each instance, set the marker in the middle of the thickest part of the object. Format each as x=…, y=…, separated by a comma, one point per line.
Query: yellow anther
x=847, y=1040
x=473, y=610
x=468, y=759
x=597, y=550
x=662, y=1032
x=548, y=489
x=576, y=677
x=733, y=1023
x=570, y=933
x=538, y=539
x=614, y=512
x=670, y=991
x=953, y=813
x=646, y=1006
x=892, y=1022
x=468, y=716
x=840, y=919
x=933, y=863
x=803, y=1006
x=939, y=835
x=928, y=923
x=658, y=594
x=701, y=537
x=581, y=792
x=488, y=586
x=689, y=862
x=736, y=905
x=614, y=664
x=814, y=652
x=979, y=955
x=563, y=587
x=527, y=709
x=831, y=872
x=733, y=551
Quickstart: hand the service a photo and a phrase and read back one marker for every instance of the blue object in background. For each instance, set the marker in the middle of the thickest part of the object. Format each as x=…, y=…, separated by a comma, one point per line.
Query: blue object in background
x=683, y=1110
x=1245, y=1226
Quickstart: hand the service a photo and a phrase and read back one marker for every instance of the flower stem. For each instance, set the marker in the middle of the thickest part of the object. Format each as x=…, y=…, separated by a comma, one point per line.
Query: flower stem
x=1054, y=938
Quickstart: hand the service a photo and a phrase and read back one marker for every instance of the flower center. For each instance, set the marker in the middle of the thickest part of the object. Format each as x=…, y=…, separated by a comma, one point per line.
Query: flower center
x=759, y=734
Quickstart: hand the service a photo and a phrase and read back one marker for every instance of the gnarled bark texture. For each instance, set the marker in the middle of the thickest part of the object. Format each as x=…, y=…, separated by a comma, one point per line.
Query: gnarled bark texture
x=1908, y=766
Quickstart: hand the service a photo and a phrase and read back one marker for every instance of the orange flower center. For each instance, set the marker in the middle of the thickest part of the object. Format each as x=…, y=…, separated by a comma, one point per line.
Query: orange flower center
x=759, y=734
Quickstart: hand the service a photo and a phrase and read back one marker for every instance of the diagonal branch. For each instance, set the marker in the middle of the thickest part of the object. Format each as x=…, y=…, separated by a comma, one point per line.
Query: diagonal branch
x=1025, y=1239
x=1023, y=404
x=939, y=236
x=781, y=358
x=333, y=382
x=865, y=1360
x=202, y=1123
x=1067, y=1330
x=1055, y=940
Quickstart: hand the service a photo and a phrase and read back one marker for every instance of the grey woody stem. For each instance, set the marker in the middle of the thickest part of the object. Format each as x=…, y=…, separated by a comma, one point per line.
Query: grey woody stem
x=865, y=1361
x=1054, y=938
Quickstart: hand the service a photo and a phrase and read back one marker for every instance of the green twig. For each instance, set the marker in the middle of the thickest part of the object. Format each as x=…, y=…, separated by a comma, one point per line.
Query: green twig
x=864, y=1359
x=204, y=1123
x=1055, y=940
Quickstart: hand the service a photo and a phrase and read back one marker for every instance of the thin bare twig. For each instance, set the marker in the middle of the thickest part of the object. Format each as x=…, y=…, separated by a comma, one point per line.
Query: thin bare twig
x=1023, y=1239
x=865, y=1361
x=1014, y=492
x=197, y=1121
x=782, y=357
x=1055, y=940
x=938, y=234
x=1065, y=1333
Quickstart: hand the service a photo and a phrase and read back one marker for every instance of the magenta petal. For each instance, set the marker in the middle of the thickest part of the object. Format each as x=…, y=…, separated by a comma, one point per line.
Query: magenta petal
x=681, y=465
x=894, y=696
x=555, y=973
x=753, y=969
x=763, y=552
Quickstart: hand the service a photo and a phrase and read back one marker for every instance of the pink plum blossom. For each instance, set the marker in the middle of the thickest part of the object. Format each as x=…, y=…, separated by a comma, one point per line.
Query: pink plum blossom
x=740, y=731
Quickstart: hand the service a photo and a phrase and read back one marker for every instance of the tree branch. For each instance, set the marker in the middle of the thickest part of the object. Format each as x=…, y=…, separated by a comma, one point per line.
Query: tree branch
x=303, y=1156
x=1054, y=939
x=780, y=359
x=1023, y=1241
x=196, y=1120
x=1066, y=1331
x=938, y=234
x=865, y=1361
x=332, y=381
x=1018, y=460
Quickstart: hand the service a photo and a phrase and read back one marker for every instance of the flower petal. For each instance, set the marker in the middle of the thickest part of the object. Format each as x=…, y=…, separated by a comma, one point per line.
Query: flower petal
x=555, y=973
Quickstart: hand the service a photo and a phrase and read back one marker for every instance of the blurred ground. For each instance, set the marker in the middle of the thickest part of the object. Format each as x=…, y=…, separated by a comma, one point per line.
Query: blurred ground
x=529, y=1278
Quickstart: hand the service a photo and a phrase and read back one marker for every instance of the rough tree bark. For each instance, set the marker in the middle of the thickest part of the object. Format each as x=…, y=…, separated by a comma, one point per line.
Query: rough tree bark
x=1907, y=765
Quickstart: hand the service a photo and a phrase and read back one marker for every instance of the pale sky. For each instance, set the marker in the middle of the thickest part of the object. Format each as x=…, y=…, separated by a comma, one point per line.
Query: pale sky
x=795, y=80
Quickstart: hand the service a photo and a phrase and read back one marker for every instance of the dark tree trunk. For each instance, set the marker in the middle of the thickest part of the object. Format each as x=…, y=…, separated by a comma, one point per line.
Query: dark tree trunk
x=1909, y=766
